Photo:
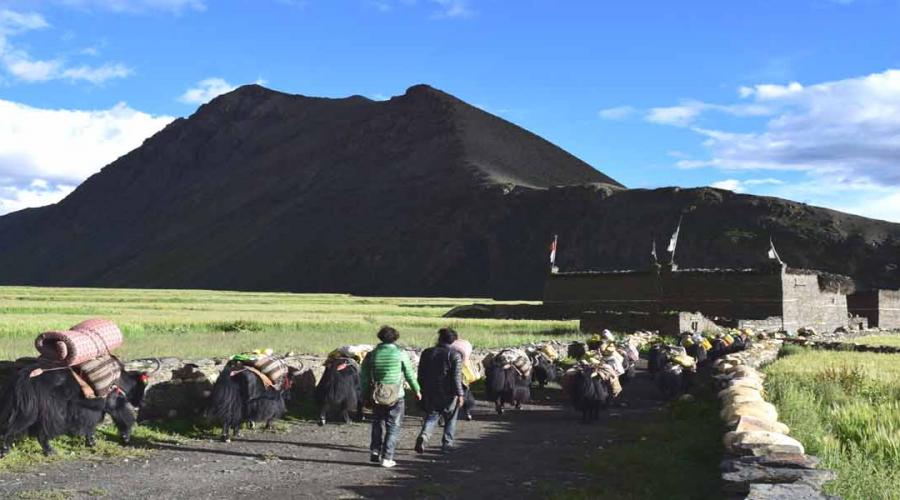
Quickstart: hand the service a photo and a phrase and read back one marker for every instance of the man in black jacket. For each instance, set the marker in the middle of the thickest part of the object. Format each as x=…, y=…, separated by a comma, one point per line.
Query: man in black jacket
x=440, y=376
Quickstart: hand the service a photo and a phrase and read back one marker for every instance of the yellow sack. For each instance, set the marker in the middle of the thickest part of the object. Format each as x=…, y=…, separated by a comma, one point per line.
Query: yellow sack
x=469, y=373
x=684, y=360
x=728, y=339
x=687, y=342
x=706, y=344
x=549, y=351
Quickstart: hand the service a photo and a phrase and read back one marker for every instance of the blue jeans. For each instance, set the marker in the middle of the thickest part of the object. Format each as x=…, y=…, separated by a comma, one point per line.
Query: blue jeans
x=431, y=419
x=386, y=422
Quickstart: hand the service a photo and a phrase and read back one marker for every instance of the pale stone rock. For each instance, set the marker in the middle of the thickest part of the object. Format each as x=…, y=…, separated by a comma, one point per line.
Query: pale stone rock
x=761, y=443
x=759, y=409
x=748, y=423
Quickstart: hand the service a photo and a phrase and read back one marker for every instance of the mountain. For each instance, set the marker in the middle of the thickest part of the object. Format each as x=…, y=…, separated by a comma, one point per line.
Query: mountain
x=419, y=195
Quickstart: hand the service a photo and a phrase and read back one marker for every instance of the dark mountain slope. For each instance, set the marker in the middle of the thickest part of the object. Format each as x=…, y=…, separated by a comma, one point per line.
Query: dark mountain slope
x=419, y=195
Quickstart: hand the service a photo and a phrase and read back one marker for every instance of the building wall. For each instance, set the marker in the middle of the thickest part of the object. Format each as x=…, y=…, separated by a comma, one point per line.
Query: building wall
x=807, y=305
x=889, y=309
x=731, y=294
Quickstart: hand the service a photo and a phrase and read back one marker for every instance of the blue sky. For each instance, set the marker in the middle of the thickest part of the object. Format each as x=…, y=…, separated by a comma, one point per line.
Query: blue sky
x=799, y=98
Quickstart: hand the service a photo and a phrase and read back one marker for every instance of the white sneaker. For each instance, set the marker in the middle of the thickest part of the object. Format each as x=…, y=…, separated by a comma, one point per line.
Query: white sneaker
x=388, y=463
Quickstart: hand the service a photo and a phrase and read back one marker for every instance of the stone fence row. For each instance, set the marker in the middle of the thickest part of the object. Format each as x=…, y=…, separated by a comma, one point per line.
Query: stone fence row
x=762, y=461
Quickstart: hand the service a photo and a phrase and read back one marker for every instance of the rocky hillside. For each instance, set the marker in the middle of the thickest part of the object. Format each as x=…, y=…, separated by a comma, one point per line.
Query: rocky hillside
x=419, y=195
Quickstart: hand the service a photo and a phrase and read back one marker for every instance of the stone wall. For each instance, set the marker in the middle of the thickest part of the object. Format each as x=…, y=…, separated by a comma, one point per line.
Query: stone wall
x=762, y=461
x=664, y=323
x=806, y=304
x=734, y=294
x=880, y=307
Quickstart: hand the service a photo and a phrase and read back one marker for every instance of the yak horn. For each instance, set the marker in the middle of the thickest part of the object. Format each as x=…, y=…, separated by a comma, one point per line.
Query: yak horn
x=158, y=365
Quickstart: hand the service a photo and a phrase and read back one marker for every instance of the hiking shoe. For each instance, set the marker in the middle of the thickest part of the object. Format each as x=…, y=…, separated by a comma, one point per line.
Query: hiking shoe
x=420, y=444
x=388, y=463
x=375, y=458
x=446, y=450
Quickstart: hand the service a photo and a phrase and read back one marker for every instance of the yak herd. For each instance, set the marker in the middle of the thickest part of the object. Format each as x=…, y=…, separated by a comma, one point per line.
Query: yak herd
x=49, y=403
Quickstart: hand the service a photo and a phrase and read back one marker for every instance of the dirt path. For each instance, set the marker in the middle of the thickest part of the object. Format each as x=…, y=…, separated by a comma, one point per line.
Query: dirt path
x=528, y=453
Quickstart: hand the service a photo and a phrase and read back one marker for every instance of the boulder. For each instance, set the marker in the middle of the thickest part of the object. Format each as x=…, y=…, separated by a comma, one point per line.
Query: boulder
x=759, y=409
x=732, y=391
x=760, y=443
x=739, y=476
x=764, y=491
x=751, y=382
x=748, y=423
x=741, y=398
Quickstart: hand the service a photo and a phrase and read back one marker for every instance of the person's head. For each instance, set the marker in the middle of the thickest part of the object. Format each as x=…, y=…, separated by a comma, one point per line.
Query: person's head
x=388, y=334
x=447, y=336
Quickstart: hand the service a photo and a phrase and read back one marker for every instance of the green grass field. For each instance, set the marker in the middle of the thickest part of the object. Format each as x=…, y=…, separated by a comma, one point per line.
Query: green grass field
x=196, y=323
x=887, y=340
x=845, y=408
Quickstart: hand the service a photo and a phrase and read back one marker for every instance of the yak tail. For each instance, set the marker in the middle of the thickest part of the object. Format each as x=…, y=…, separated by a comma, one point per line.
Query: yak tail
x=225, y=402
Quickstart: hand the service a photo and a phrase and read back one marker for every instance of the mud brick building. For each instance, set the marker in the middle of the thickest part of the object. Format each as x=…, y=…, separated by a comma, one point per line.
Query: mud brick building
x=772, y=295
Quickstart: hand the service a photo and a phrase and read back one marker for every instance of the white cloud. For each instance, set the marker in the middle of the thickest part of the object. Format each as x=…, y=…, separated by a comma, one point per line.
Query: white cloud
x=844, y=135
x=60, y=147
x=208, y=89
x=12, y=22
x=96, y=75
x=453, y=8
x=676, y=115
x=174, y=6
x=740, y=186
x=616, y=113
x=37, y=194
x=19, y=64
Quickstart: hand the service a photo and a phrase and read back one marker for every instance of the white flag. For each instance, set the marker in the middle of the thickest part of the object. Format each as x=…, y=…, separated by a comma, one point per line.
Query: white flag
x=674, y=241
x=553, y=250
x=772, y=253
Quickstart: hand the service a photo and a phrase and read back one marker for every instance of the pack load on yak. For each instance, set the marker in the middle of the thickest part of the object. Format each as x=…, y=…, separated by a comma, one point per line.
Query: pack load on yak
x=86, y=350
x=516, y=358
x=543, y=358
x=356, y=352
x=271, y=370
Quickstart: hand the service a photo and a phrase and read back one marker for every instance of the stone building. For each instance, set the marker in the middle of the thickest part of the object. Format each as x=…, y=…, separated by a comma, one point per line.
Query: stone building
x=773, y=295
x=880, y=307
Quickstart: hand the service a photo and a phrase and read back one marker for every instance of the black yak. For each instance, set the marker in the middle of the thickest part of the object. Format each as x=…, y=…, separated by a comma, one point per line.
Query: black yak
x=543, y=370
x=506, y=385
x=49, y=402
x=670, y=380
x=240, y=395
x=656, y=358
x=589, y=394
x=340, y=389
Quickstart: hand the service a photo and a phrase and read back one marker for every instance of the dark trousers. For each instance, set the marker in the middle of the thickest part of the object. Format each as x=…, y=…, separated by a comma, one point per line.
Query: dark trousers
x=386, y=422
x=449, y=413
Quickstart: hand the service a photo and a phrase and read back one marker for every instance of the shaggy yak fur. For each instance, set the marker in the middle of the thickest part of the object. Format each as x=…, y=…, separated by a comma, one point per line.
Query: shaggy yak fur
x=656, y=359
x=589, y=394
x=239, y=396
x=630, y=370
x=673, y=380
x=507, y=386
x=340, y=389
x=543, y=370
x=52, y=404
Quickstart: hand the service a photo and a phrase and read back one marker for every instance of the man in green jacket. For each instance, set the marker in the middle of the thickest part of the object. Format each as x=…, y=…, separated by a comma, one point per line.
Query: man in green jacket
x=387, y=364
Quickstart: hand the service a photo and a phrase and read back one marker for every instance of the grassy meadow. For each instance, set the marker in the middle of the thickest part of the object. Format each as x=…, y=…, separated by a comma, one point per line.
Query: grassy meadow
x=197, y=323
x=886, y=340
x=845, y=408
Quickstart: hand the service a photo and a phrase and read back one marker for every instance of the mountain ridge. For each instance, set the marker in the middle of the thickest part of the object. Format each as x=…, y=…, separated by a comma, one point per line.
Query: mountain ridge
x=421, y=194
